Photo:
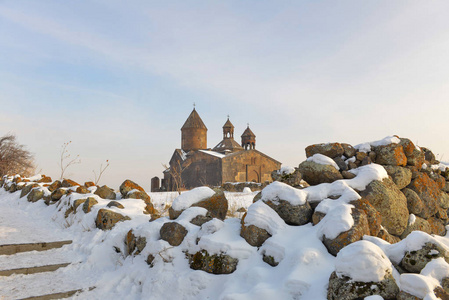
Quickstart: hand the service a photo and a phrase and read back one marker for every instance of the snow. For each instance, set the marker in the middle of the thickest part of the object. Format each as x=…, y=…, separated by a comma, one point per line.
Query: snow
x=363, y=261
x=246, y=190
x=323, y=160
x=366, y=147
x=286, y=170
x=411, y=219
x=213, y=153
x=418, y=285
x=187, y=199
x=261, y=215
x=280, y=191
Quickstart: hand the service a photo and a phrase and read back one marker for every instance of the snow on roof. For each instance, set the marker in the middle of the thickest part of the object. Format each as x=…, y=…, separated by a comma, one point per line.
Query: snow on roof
x=323, y=160
x=187, y=199
x=213, y=153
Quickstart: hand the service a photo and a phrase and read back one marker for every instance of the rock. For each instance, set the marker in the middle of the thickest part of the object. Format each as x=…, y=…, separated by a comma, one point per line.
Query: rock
x=317, y=216
x=87, y=206
x=348, y=150
x=57, y=194
x=366, y=161
x=414, y=203
x=446, y=187
x=390, y=202
x=292, y=179
x=443, y=200
x=437, y=226
x=66, y=183
x=419, y=224
x=216, y=205
x=347, y=175
x=105, y=192
x=356, y=233
x=173, y=233
x=253, y=235
x=343, y=288
x=415, y=261
x=401, y=176
x=415, y=157
x=383, y=234
x=330, y=149
x=406, y=296
x=13, y=188
x=213, y=264
x=115, y=204
x=35, y=195
x=77, y=203
x=200, y=220
x=44, y=179
x=392, y=154
x=25, y=191
x=88, y=184
x=315, y=173
x=373, y=216
x=428, y=192
x=128, y=186
x=341, y=164
x=441, y=293
x=291, y=214
x=134, y=245
x=54, y=186
x=360, y=156
x=106, y=219
x=82, y=190
x=352, y=165
x=429, y=156
x=136, y=194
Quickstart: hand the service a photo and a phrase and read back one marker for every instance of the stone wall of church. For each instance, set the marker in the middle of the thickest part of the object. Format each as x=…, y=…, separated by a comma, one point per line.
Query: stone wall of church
x=193, y=139
x=248, y=166
x=201, y=169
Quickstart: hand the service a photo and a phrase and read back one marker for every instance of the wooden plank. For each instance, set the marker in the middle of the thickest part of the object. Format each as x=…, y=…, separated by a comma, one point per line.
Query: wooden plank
x=16, y=248
x=32, y=270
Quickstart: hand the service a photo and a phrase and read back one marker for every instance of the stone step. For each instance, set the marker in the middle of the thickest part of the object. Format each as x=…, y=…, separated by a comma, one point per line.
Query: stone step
x=16, y=248
x=32, y=270
x=61, y=295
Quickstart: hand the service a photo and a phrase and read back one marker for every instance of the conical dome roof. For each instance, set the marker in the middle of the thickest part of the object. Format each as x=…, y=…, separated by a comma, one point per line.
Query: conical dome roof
x=248, y=133
x=228, y=124
x=194, y=121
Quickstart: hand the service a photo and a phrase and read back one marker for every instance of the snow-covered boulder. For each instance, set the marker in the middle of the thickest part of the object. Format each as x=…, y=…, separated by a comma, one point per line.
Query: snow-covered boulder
x=36, y=194
x=392, y=154
x=415, y=157
x=362, y=269
x=290, y=203
x=214, y=264
x=173, y=233
x=105, y=192
x=329, y=149
x=87, y=205
x=289, y=175
x=315, y=173
x=66, y=183
x=215, y=202
x=415, y=260
x=106, y=219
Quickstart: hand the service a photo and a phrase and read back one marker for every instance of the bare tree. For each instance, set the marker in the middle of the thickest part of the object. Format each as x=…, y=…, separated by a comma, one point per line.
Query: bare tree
x=14, y=158
x=66, y=160
x=102, y=169
x=175, y=172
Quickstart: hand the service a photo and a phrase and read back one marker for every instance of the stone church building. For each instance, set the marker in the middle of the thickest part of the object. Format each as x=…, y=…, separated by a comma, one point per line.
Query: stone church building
x=196, y=165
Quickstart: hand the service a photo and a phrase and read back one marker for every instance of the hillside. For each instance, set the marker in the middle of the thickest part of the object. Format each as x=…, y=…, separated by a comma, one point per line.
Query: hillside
x=350, y=222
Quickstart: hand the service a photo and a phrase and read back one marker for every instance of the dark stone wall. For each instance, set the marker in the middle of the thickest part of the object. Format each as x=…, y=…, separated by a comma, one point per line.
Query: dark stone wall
x=201, y=169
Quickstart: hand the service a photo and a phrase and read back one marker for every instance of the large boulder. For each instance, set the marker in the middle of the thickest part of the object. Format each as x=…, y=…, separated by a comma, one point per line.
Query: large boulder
x=128, y=186
x=314, y=173
x=362, y=269
x=214, y=264
x=392, y=154
x=290, y=203
x=66, y=183
x=390, y=202
x=35, y=195
x=58, y=193
x=428, y=192
x=293, y=179
x=415, y=157
x=54, y=186
x=87, y=205
x=215, y=202
x=373, y=216
x=27, y=189
x=415, y=261
x=401, y=176
x=173, y=233
x=348, y=150
x=330, y=149
x=82, y=190
x=414, y=204
x=254, y=235
x=437, y=226
x=356, y=233
x=106, y=219
x=416, y=223
x=105, y=192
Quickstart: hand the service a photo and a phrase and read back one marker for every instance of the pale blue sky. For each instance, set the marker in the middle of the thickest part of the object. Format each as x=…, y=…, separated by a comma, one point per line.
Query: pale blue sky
x=119, y=80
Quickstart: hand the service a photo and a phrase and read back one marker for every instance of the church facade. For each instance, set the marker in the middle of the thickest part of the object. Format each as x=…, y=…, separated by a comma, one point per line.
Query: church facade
x=194, y=164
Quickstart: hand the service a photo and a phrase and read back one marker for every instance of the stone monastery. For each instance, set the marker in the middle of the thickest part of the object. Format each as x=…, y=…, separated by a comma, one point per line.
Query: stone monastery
x=196, y=165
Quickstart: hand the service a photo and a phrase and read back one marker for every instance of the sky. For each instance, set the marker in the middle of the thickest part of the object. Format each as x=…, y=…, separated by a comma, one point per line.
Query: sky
x=119, y=78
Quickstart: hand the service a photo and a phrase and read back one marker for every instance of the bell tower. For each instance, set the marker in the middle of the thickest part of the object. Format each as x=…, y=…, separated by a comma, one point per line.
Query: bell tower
x=228, y=130
x=193, y=133
x=248, y=139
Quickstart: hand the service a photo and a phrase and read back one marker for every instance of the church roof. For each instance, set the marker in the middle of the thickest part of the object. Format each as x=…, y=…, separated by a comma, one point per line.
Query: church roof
x=228, y=124
x=248, y=132
x=194, y=121
x=228, y=144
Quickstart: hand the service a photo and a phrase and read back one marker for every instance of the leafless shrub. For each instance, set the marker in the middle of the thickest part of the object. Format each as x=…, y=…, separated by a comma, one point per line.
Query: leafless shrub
x=102, y=169
x=14, y=158
x=66, y=160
